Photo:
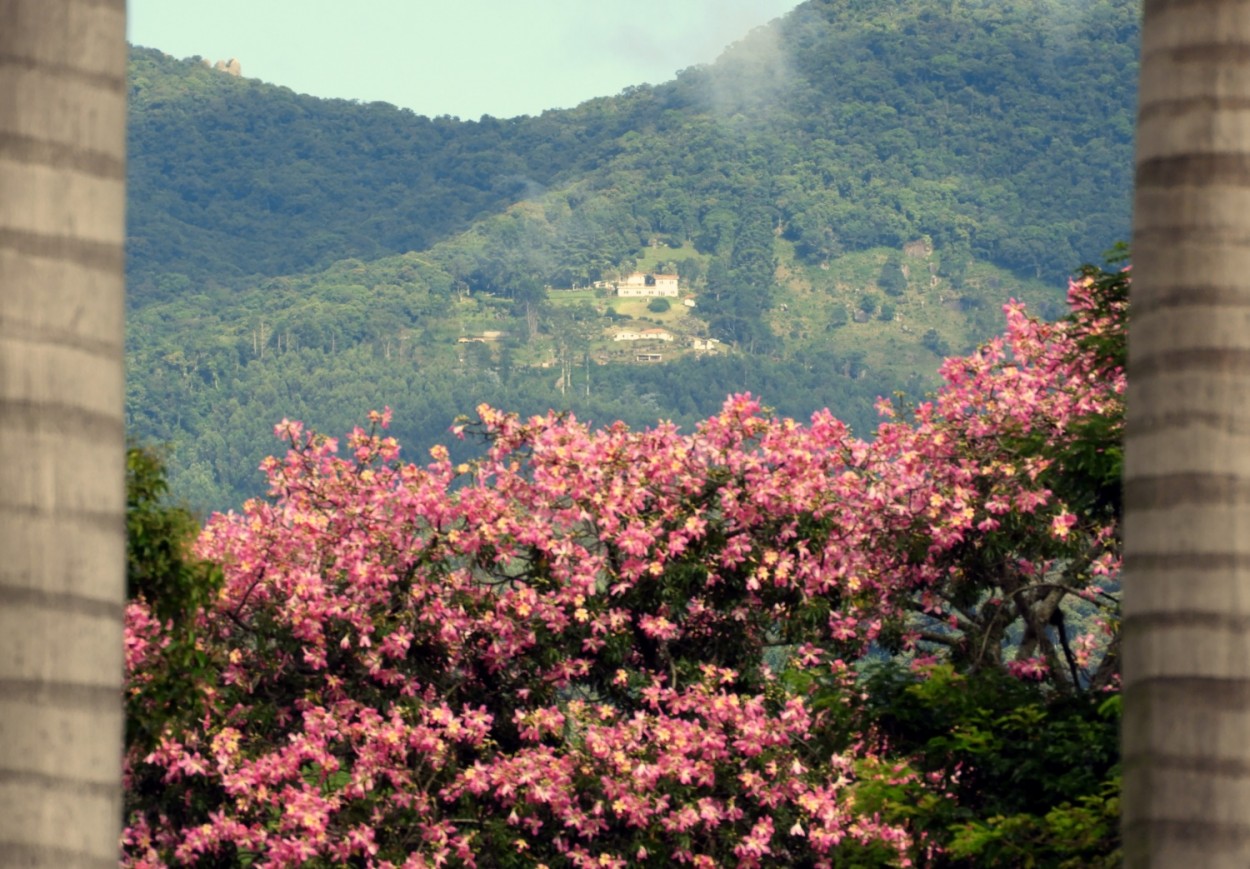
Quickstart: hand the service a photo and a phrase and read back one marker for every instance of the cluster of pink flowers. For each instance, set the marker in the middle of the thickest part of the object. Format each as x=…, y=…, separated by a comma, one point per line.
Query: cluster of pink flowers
x=576, y=649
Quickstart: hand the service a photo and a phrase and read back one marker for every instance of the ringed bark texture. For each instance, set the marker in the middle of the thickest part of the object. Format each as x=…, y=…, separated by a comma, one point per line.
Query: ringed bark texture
x=1187, y=474
x=62, y=441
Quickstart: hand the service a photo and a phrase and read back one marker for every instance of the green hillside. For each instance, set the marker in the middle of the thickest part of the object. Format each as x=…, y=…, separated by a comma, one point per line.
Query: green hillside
x=846, y=195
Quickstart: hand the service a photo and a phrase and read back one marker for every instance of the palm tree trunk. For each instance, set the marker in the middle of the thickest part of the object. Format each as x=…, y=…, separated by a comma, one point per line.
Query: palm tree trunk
x=1187, y=474
x=62, y=539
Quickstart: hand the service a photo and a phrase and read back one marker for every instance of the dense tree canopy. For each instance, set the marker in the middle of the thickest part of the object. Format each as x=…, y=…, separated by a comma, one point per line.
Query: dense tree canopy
x=762, y=642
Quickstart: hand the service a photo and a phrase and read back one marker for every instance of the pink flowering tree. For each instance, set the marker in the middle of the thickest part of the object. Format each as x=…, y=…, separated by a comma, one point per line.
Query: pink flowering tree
x=610, y=648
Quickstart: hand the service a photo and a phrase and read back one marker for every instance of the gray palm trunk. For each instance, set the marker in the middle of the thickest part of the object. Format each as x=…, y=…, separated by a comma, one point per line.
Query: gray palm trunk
x=62, y=501
x=1187, y=474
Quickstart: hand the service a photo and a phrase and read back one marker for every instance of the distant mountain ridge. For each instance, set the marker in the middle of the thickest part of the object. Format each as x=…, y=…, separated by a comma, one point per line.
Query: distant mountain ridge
x=999, y=127
x=849, y=192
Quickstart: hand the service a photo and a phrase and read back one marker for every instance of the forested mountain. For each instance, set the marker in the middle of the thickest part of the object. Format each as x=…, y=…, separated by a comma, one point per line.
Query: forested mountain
x=848, y=193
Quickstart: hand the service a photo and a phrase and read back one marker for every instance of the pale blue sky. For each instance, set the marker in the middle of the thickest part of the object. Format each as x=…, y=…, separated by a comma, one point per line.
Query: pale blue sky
x=453, y=57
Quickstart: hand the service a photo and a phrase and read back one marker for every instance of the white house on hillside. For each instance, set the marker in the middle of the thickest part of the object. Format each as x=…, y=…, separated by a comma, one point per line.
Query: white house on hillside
x=643, y=285
x=643, y=335
x=655, y=335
